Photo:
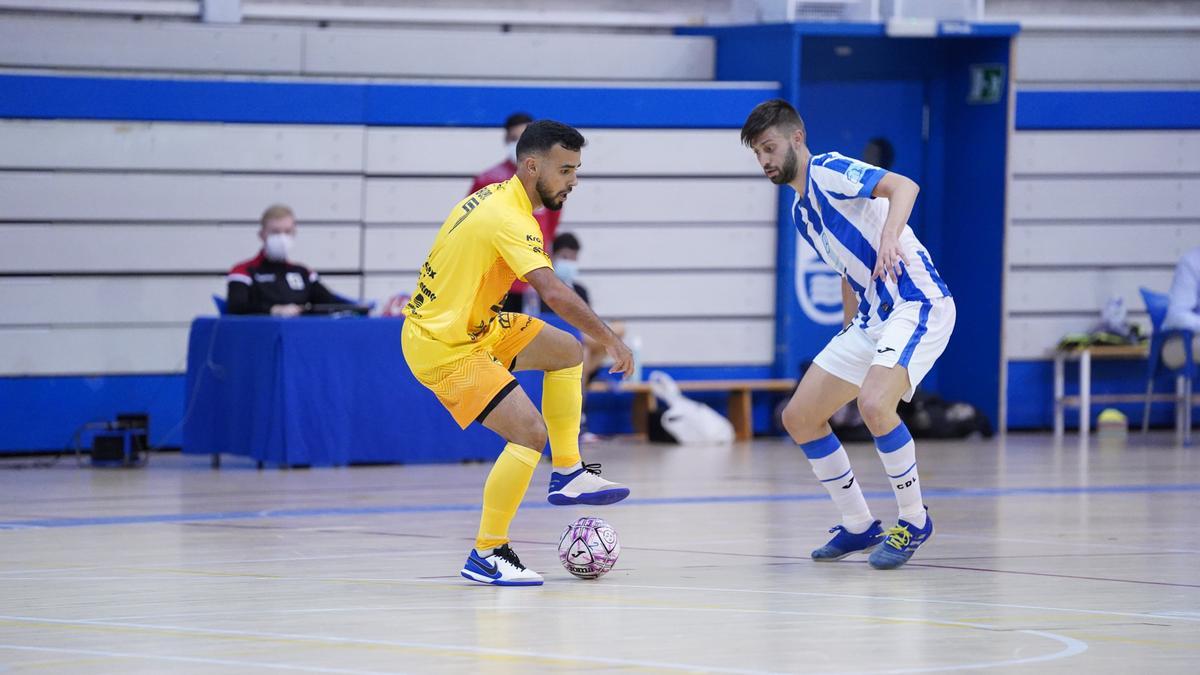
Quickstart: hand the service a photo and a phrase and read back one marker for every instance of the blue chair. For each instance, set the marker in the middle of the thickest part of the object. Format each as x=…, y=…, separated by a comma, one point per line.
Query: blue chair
x=1156, y=306
x=222, y=306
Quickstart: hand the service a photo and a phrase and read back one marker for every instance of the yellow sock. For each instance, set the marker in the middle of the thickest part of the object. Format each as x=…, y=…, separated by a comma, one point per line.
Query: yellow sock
x=503, y=492
x=562, y=406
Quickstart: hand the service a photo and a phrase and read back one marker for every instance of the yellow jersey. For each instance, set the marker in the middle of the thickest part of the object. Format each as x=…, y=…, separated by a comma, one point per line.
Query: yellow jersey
x=489, y=240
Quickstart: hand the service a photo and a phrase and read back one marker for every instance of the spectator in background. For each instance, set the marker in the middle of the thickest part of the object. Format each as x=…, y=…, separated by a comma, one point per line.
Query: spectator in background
x=1184, y=309
x=566, y=268
x=269, y=283
x=547, y=219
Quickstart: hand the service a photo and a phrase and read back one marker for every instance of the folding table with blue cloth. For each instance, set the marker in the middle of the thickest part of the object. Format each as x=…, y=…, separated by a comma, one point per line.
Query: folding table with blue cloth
x=313, y=391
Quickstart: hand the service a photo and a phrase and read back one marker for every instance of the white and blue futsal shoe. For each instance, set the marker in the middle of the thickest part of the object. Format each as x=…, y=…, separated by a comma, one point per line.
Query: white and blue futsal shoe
x=846, y=543
x=584, y=486
x=501, y=568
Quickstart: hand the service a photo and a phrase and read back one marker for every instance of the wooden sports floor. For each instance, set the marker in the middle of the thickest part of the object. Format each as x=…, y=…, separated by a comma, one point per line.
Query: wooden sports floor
x=1045, y=560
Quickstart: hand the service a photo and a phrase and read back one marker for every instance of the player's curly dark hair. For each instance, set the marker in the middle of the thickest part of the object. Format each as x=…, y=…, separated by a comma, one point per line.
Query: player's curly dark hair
x=542, y=135
x=776, y=113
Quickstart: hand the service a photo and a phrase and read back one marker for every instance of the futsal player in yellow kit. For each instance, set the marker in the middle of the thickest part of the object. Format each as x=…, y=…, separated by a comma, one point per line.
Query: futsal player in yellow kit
x=462, y=347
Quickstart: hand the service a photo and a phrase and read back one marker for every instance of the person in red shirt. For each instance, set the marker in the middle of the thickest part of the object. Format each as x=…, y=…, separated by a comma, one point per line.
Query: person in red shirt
x=514, y=126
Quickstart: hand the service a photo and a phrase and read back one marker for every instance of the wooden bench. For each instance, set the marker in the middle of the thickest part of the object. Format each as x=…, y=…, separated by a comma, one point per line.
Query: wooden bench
x=740, y=411
x=1085, y=355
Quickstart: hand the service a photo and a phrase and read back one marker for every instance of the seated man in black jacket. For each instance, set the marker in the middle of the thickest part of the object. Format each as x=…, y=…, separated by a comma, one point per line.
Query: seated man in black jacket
x=269, y=283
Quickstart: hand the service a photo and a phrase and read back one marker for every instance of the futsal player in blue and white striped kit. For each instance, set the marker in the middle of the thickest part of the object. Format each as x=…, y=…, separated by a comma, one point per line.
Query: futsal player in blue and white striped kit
x=899, y=317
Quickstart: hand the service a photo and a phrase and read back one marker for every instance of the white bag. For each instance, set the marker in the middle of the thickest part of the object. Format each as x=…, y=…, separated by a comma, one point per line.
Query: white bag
x=690, y=422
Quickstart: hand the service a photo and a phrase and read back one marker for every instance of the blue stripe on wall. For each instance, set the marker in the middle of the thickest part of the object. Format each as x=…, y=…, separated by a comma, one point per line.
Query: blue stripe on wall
x=43, y=97
x=1108, y=110
x=42, y=413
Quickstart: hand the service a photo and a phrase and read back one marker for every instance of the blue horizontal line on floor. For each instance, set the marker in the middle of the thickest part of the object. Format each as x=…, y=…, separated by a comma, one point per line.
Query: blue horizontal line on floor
x=943, y=493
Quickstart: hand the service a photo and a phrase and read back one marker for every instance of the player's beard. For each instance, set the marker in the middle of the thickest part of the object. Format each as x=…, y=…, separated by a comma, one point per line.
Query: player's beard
x=550, y=200
x=787, y=172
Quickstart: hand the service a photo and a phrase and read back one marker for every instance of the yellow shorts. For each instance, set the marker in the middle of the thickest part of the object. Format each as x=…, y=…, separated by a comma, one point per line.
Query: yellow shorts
x=466, y=378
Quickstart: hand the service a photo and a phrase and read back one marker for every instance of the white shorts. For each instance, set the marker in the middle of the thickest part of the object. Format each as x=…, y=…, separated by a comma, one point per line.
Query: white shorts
x=914, y=336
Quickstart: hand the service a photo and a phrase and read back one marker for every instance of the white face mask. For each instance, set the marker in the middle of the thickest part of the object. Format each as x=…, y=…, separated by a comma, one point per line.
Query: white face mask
x=567, y=271
x=510, y=151
x=278, y=246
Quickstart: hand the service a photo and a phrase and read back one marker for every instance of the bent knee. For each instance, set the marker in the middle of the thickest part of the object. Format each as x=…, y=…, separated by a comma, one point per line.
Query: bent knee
x=875, y=406
x=533, y=433
x=799, y=420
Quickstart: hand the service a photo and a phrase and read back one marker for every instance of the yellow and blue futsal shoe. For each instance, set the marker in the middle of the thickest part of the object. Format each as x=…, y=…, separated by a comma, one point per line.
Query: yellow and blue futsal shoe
x=900, y=543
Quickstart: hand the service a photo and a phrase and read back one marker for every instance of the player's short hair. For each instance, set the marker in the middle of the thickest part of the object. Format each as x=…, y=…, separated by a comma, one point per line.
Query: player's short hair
x=275, y=212
x=516, y=119
x=566, y=242
x=542, y=135
x=776, y=113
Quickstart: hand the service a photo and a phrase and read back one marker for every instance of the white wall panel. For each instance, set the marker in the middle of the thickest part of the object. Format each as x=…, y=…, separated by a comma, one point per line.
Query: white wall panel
x=412, y=200
x=1034, y=337
x=630, y=152
x=668, y=152
x=1100, y=244
x=110, y=247
x=380, y=287
x=608, y=247
x=433, y=151
x=717, y=294
x=1105, y=152
x=139, y=146
x=705, y=341
x=680, y=200
x=148, y=46
x=1124, y=57
x=1045, y=290
x=594, y=200
x=57, y=301
x=158, y=197
x=412, y=53
x=396, y=249
x=1104, y=198
x=651, y=247
x=65, y=350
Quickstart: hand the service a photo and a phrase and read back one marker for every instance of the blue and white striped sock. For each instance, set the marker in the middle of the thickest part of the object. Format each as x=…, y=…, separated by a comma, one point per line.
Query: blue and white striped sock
x=899, y=455
x=831, y=465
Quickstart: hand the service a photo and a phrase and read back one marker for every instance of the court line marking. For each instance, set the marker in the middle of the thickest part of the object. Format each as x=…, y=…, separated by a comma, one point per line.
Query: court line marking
x=1071, y=646
x=191, y=659
x=946, y=493
x=847, y=596
x=1053, y=575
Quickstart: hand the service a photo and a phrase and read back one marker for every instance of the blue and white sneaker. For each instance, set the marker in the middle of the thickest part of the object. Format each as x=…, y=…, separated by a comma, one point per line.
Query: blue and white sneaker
x=584, y=486
x=501, y=568
x=900, y=543
x=845, y=543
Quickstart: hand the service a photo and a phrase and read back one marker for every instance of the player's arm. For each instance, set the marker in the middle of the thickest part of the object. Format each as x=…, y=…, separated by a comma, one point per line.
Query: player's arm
x=849, y=303
x=567, y=304
x=901, y=193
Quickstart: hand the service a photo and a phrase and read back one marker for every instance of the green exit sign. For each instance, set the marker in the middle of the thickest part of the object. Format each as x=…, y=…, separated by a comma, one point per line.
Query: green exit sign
x=987, y=83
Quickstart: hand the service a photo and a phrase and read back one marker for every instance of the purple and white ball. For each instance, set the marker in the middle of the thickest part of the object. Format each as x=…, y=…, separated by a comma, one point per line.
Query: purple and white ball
x=589, y=548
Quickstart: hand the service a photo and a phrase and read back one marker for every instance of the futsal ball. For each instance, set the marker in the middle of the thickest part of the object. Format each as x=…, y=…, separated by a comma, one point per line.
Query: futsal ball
x=589, y=548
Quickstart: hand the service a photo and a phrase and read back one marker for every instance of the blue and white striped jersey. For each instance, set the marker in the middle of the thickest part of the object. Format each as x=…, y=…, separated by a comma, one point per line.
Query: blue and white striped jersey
x=839, y=218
